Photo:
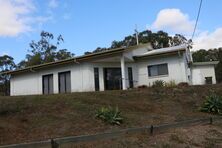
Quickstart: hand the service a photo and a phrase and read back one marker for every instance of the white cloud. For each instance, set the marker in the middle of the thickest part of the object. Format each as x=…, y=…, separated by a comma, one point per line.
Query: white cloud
x=207, y=40
x=53, y=4
x=12, y=14
x=173, y=20
x=16, y=17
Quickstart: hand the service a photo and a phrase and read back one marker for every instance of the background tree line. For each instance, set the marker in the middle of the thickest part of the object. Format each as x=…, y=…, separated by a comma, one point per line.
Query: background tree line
x=158, y=39
x=47, y=49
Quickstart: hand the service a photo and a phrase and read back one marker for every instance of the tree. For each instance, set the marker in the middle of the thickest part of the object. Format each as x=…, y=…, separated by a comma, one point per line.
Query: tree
x=203, y=55
x=179, y=39
x=45, y=51
x=6, y=64
x=63, y=54
x=159, y=39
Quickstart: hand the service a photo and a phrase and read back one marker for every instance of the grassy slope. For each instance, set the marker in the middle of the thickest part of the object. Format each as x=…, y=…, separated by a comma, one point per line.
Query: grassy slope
x=28, y=118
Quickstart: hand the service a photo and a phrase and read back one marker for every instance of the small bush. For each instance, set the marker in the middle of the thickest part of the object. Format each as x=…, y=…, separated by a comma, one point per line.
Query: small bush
x=183, y=84
x=10, y=108
x=171, y=83
x=212, y=104
x=143, y=86
x=158, y=83
x=109, y=115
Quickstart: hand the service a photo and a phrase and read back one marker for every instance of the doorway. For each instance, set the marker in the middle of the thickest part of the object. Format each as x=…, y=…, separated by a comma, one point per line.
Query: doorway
x=64, y=82
x=112, y=78
x=47, y=84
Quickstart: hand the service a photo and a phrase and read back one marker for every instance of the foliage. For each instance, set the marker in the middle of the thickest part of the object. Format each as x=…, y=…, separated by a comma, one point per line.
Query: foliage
x=212, y=104
x=158, y=83
x=143, y=86
x=158, y=39
x=6, y=109
x=45, y=51
x=109, y=115
x=171, y=83
x=6, y=64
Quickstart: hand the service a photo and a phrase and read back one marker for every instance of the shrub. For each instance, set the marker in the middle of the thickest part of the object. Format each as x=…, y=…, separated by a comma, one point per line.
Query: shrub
x=171, y=83
x=183, y=84
x=10, y=108
x=143, y=86
x=212, y=104
x=158, y=83
x=109, y=115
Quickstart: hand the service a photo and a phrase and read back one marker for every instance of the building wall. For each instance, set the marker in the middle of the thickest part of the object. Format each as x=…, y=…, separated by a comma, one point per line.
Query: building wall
x=101, y=66
x=200, y=72
x=176, y=69
x=82, y=74
x=82, y=78
x=31, y=83
x=26, y=84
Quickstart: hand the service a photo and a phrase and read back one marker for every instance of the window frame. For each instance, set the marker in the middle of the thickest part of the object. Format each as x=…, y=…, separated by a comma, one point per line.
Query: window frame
x=158, y=71
x=48, y=81
x=96, y=79
x=65, y=78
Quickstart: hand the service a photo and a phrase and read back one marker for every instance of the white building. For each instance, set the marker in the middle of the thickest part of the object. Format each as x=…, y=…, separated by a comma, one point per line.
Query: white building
x=120, y=68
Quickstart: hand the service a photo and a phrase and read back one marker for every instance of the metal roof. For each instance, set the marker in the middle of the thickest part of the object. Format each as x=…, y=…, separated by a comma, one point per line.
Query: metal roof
x=163, y=51
x=75, y=59
x=205, y=63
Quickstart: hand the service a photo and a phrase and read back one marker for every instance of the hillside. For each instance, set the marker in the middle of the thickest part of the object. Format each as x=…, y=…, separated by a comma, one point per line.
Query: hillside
x=33, y=118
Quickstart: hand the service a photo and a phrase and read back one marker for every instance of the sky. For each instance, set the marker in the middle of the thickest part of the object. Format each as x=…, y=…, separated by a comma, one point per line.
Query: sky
x=88, y=24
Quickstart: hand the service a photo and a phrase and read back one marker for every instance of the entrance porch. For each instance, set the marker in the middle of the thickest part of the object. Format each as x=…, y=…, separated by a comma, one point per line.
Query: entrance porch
x=115, y=72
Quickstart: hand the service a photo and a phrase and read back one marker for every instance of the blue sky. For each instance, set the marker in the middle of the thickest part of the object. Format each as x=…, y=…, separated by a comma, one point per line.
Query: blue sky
x=87, y=24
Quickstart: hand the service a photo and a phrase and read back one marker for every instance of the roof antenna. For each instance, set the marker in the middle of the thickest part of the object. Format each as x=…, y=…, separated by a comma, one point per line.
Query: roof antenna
x=136, y=33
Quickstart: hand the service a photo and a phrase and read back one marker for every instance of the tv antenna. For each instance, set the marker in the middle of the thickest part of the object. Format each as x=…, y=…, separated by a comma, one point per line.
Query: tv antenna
x=136, y=33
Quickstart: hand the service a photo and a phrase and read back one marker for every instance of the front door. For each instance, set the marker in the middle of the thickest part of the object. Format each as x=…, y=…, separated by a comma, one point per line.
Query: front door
x=47, y=84
x=112, y=78
x=64, y=82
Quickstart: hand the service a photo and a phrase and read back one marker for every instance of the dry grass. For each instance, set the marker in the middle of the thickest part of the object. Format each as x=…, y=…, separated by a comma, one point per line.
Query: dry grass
x=31, y=118
x=202, y=136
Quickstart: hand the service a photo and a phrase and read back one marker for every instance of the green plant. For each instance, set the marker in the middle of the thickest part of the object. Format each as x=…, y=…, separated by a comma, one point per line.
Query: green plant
x=11, y=108
x=158, y=83
x=143, y=86
x=171, y=83
x=212, y=104
x=109, y=115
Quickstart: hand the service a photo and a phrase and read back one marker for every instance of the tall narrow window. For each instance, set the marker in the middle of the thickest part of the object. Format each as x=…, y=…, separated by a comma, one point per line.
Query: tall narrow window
x=47, y=84
x=96, y=78
x=64, y=82
x=158, y=70
x=130, y=77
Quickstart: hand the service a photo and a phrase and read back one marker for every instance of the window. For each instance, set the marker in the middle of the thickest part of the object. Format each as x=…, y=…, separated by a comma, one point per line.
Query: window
x=130, y=77
x=158, y=70
x=96, y=78
x=47, y=84
x=64, y=82
x=208, y=80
